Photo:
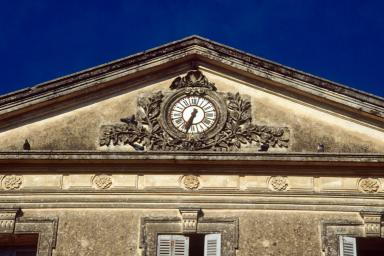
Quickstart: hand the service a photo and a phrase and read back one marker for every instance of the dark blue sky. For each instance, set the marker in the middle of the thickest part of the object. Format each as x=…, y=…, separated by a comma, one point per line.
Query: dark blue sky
x=339, y=40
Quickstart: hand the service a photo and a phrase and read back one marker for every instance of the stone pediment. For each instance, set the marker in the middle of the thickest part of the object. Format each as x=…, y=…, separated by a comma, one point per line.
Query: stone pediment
x=233, y=102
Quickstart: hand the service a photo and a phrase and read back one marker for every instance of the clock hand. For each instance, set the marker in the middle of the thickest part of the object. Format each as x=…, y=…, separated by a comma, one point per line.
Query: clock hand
x=188, y=124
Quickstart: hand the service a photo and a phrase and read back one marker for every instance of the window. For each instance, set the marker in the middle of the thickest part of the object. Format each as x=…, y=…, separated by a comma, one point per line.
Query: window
x=189, y=245
x=212, y=235
x=18, y=245
x=361, y=246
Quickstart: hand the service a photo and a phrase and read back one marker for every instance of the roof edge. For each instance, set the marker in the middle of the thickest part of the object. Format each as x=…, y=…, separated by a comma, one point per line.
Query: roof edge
x=25, y=93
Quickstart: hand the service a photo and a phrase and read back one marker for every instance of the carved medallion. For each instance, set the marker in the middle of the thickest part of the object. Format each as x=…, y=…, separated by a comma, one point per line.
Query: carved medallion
x=278, y=183
x=12, y=182
x=193, y=116
x=369, y=185
x=191, y=182
x=102, y=181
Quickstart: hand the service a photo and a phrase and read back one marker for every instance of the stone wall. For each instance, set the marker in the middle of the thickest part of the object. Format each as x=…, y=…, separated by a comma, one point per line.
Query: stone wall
x=117, y=231
x=121, y=214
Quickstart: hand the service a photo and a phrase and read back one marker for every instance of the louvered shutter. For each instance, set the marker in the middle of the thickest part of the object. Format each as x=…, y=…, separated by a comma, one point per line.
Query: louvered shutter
x=164, y=245
x=181, y=245
x=172, y=245
x=212, y=245
x=347, y=246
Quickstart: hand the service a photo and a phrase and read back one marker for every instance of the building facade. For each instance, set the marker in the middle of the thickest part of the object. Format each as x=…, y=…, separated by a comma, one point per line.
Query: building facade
x=192, y=148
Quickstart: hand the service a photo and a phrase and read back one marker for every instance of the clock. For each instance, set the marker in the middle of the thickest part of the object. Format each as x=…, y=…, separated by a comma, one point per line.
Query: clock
x=193, y=113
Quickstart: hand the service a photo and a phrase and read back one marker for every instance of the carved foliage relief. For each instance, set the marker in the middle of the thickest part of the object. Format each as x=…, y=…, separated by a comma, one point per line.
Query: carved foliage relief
x=150, y=129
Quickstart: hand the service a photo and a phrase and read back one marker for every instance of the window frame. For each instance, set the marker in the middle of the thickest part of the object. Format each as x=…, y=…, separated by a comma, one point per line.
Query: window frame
x=151, y=227
x=369, y=224
x=46, y=228
x=170, y=241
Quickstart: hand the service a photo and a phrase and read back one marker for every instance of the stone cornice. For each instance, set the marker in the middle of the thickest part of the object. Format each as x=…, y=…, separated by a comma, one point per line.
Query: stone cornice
x=193, y=48
x=212, y=200
x=239, y=158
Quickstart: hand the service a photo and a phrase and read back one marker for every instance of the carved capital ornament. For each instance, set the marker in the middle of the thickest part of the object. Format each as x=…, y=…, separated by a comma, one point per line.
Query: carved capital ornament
x=192, y=116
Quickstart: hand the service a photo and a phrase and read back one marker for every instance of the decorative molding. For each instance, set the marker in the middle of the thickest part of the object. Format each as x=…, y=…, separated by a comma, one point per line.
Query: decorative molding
x=373, y=161
x=12, y=182
x=372, y=223
x=190, y=218
x=369, y=185
x=46, y=228
x=7, y=220
x=278, y=183
x=331, y=230
x=152, y=226
x=149, y=128
x=193, y=78
x=102, y=181
x=368, y=226
x=191, y=182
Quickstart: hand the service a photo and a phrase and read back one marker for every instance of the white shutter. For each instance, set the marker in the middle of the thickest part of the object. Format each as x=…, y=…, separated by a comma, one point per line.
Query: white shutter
x=181, y=245
x=172, y=245
x=164, y=245
x=212, y=245
x=347, y=246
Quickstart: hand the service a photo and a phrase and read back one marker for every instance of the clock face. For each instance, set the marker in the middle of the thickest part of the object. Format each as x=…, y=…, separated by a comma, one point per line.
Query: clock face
x=193, y=114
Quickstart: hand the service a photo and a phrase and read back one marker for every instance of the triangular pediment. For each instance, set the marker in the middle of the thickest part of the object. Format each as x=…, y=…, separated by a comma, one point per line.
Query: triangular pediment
x=258, y=106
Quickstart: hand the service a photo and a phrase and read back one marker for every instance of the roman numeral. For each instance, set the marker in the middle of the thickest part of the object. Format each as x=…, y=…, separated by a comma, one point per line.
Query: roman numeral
x=208, y=107
x=178, y=107
x=204, y=104
x=186, y=102
x=178, y=121
x=194, y=101
x=175, y=115
x=207, y=122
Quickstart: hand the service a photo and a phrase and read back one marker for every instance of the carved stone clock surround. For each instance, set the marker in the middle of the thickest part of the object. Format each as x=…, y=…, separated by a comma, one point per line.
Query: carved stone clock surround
x=151, y=129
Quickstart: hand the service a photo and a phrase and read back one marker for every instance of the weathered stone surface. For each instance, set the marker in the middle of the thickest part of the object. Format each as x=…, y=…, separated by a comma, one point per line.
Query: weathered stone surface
x=79, y=129
x=117, y=231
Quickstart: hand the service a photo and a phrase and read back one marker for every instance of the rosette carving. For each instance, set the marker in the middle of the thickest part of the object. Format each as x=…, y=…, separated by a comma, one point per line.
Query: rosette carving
x=369, y=185
x=191, y=182
x=12, y=182
x=102, y=181
x=278, y=183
